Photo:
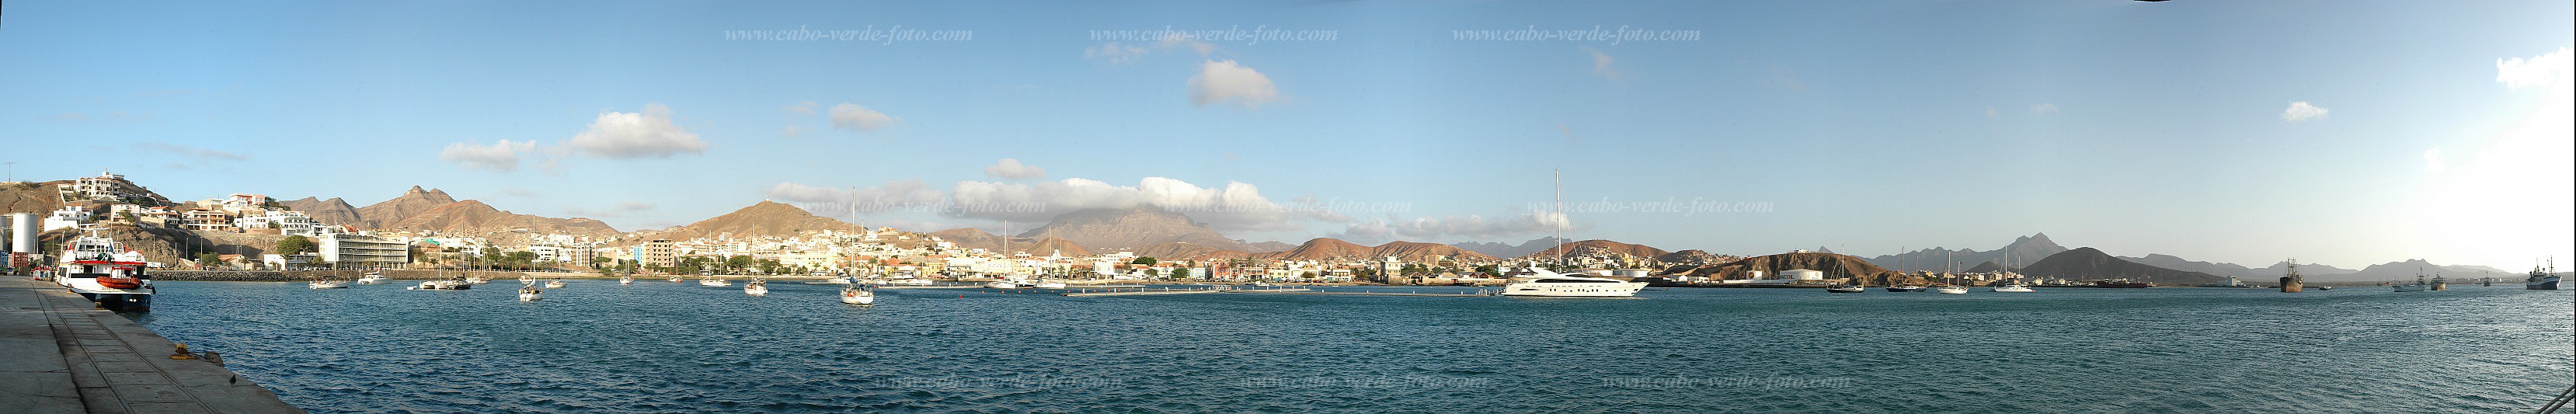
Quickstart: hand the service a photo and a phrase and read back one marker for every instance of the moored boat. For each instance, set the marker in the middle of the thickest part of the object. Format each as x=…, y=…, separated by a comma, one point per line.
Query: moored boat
x=530, y=293
x=2121, y=283
x=756, y=287
x=1903, y=288
x=714, y=282
x=327, y=284
x=2542, y=277
x=1546, y=283
x=99, y=269
x=2015, y=287
x=444, y=285
x=626, y=280
x=374, y=278
x=1845, y=289
x=554, y=283
x=858, y=295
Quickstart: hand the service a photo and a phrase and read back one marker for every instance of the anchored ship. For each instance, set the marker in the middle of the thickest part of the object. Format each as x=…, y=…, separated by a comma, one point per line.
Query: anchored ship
x=2543, y=277
x=99, y=269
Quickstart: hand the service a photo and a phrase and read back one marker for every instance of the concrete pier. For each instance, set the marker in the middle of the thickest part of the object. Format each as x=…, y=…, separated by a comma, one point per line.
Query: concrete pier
x=58, y=355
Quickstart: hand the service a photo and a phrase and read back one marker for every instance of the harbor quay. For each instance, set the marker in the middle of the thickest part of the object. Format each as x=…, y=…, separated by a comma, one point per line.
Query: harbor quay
x=58, y=354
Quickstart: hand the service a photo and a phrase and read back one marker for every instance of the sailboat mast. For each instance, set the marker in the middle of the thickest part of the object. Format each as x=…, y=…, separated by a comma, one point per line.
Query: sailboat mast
x=1559, y=220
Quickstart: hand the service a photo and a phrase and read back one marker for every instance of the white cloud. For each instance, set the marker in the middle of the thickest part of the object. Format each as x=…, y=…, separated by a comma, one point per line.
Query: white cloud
x=501, y=156
x=646, y=134
x=2044, y=109
x=1601, y=64
x=1470, y=227
x=2433, y=161
x=1235, y=207
x=802, y=107
x=2538, y=71
x=1114, y=52
x=792, y=131
x=859, y=118
x=2302, y=111
x=1011, y=168
x=1224, y=81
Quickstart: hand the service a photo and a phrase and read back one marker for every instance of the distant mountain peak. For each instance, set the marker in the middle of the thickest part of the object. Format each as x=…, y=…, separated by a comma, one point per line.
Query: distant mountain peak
x=1130, y=228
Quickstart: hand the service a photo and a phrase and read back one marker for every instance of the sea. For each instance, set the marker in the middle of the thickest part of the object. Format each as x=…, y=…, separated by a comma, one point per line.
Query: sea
x=660, y=347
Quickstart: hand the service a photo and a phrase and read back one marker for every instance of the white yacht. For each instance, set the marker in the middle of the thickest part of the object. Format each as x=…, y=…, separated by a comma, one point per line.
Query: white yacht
x=2015, y=287
x=1546, y=283
x=374, y=278
x=554, y=283
x=1047, y=284
x=479, y=280
x=858, y=295
x=714, y=282
x=530, y=293
x=1003, y=284
x=756, y=287
x=1951, y=290
x=444, y=285
x=327, y=284
x=626, y=280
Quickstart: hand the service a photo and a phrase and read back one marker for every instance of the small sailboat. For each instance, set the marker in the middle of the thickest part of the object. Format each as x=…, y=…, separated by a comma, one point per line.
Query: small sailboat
x=554, y=283
x=530, y=293
x=525, y=280
x=626, y=280
x=675, y=279
x=858, y=295
x=1903, y=288
x=479, y=280
x=757, y=287
x=374, y=278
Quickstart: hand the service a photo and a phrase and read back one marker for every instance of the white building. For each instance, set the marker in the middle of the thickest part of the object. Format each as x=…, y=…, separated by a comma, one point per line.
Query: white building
x=1802, y=274
x=363, y=250
x=68, y=217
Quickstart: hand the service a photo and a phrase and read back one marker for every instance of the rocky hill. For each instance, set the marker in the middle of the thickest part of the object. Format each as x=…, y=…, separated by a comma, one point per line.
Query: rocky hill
x=1128, y=228
x=1693, y=257
x=1336, y=249
x=1174, y=250
x=1050, y=246
x=970, y=238
x=333, y=211
x=2021, y=252
x=2406, y=270
x=1596, y=248
x=1268, y=246
x=474, y=217
x=1507, y=250
x=35, y=198
x=1835, y=266
x=388, y=212
x=1988, y=267
x=764, y=219
x=2090, y=264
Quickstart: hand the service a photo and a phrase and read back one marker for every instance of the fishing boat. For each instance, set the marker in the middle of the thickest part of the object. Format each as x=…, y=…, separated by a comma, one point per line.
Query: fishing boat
x=1845, y=289
x=1903, y=288
x=554, y=283
x=714, y=282
x=756, y=287
x=374, y=278
x=2419, y=285
x=530, y=293
x=99, y=269
x=2543, y=276
x=858, y=295
x=326, y=284
x=2014, y=287
x=1544, y=283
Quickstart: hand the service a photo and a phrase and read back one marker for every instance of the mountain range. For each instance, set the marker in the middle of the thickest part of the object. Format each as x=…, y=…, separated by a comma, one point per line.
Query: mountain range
x=763, y=219
x=2090, y=264
x=2021, y=252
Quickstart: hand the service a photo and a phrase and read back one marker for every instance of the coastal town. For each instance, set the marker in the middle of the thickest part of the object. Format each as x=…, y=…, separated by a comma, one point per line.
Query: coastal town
x=428, y=230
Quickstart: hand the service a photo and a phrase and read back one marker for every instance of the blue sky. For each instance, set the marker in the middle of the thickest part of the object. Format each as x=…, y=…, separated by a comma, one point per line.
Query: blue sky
x=1865, y=126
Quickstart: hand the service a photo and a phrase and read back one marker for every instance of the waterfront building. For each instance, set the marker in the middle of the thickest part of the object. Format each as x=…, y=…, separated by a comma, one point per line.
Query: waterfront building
x=660, y=253
x=106, y=186
x=350, y=250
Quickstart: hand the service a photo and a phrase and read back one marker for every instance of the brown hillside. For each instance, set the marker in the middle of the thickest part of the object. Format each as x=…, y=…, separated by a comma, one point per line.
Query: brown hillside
x=1321, y=249
x=1128, y=228
x=1050, y=245
x=474, y=217
x=1173, y=250
x=765, y=219
x=386, y=213
x=970, y=238
x=1611, y=247
x=1416, y=252
x=35, y=198
x=333, y=211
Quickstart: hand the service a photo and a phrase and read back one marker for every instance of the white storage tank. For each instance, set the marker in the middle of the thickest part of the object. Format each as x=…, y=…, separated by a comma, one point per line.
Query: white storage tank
x=22, y=233
x=1802, y=274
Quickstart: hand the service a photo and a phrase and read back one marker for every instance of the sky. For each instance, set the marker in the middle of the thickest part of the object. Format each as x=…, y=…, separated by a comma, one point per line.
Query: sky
x=2346, y=133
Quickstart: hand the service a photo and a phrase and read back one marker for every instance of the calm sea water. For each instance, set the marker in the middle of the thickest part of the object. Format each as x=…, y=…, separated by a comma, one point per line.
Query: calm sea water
x=661, y=347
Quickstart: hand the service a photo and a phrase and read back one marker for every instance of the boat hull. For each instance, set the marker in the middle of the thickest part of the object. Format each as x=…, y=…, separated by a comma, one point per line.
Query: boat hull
x=1900, y=289
x=121, y=302
x=1574, y=290
x=2546, y=283
x=859, y=300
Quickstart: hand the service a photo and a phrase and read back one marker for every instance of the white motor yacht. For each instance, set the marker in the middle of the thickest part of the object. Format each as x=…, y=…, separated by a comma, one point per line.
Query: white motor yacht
x=555, y=283
x=374, y=278
x=1546, y=283
x=2016, y=287
x=714, y=282
x=858, y=295
x=327, y=284
x=757, y=287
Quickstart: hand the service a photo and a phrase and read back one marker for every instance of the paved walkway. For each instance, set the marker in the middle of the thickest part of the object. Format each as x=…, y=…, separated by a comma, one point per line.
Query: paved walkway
x=58, y=355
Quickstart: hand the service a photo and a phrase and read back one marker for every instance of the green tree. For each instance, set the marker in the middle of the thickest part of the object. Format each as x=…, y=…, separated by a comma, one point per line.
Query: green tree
x=295, y=245
x=1488, y=270
x=207, y=260
x=737, y=263
x=1180, y=273
x=1148, y=261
